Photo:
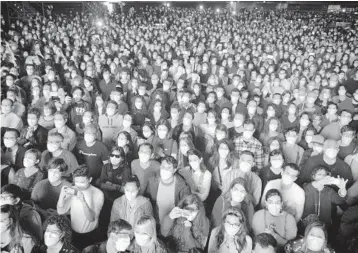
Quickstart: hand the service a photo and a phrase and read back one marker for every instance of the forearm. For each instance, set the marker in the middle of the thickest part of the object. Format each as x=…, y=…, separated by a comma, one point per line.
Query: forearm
x=90, y=215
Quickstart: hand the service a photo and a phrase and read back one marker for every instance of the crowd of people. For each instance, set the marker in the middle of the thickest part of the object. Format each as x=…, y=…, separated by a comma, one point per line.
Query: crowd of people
x=179, y=130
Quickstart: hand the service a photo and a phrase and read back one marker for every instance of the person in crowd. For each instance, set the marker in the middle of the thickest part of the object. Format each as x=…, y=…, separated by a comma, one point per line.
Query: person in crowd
x=84, y=202
x=145, y=166
x=314, y=240
x=69, y=136
x=31, y=174
x=348, y=143
x=13, y=236
x=328, y=159
x=8, y=118
x=231, y=235
x=29, y=218
x=274, y=220
x=290, y=120
x=47, y=117
x=274, y=169
x=131, y=206
x=120, y=237
x=127, y=127
x=265, y=243
x=291, y=150
x=163, y=143
x=92, y=152
x=146, y=239
x=186, y=227
x=55, y=150
x=88, y=118
x=319, y=197
x=166, y=188
x=288, y=188
x=46, y=192
x=273, y=128
x=236, y=196
x=114, y=174
x=33, y=135
x=201, y=114
x=333, y=129
x=248, y=142
x=19, y=108
x=57, y=236
x=110, y=123
x=197, y=176
x=13, y=152
x=146, y=134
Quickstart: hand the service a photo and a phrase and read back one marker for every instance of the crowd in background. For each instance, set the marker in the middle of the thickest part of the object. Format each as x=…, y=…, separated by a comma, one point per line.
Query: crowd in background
x=179, y=130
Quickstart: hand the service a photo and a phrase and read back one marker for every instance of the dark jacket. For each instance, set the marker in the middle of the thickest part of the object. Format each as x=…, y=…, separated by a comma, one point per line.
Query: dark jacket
x=38, y=139
x=182, y=189
x=19, y=159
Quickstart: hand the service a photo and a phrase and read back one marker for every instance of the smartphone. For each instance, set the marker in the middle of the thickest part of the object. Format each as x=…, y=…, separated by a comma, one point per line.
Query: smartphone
x=71, y=191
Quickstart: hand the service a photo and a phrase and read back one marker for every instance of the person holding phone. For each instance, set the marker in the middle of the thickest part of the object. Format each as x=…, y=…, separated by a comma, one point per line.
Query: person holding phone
x=84, y=203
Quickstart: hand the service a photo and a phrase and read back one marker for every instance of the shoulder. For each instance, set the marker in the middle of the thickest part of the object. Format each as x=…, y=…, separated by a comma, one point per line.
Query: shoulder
x=259, y=213
x=97, y=193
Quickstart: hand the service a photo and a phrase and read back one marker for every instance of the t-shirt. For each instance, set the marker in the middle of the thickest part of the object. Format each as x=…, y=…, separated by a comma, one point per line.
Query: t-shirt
x=165, y=199
x=66, y=155
x=92, y=156
x=293, y=198
x=144, y=174
x=46, y=195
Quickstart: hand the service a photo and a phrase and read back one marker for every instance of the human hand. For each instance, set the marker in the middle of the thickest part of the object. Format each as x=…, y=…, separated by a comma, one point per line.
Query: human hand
x=175, y=213
x=341, y=182
x=187, y=224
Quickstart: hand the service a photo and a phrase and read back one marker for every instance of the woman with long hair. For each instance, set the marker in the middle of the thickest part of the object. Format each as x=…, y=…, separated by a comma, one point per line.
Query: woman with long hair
x=115, y=174
x=231, y=236
x=57, y=236
x=139, y=112
x=146, y=240
x=157, y=112
x=236, y=196
x=48, y=115
x=186, y=227
x=13, y=236
x=197, y=176
x=185, y=144
x=314, y=240
x=272, y=128
x=274, y=220
x=124, y=140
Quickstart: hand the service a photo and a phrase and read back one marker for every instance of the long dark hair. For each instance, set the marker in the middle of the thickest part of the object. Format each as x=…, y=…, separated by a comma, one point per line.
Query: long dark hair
x=240, y=237
x=16, y=232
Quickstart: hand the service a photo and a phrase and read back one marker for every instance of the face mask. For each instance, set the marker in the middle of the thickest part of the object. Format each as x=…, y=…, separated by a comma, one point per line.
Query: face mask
x=131, y=196
x=291, y=140
x=49, y=241
x=186, y=122
x=162, y=134
x=220, y=136
x=291, y=111
x=251, y=110
x=245, y=166
x=247, y=135
x=231, y=231
x=141, y=239
x=238, y=123
x=274, y=209
x=195, y=165
x=331, y=153
x=237, y=196
x=81, y=186
x=211, y=121
x=52, y=177
x=314, y=244
x=122, y=244
x=138, y=105
x=270, y=114
x=143, y=157
x=4, y=226
x=9, y=143
x=147, y=134
x=89, y=138
x=276, y=164
x=126, y=123
x=273, y=128
x=165, y=174
x=346, y=140
x=308, y=139
x=304, y=122
x=287, y=180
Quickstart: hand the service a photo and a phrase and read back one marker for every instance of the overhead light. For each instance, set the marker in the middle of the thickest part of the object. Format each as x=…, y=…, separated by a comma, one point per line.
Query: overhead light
x=99, y=23
x=201, y=7
x=217, y=10
x=168, y=4
x=234, y=13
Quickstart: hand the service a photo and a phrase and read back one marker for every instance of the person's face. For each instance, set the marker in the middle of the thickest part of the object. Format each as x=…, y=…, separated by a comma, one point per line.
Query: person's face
x=131, y=191
x=53, y=144
x=166, y=170
x=141, y=238
x=187, y=120
x=87, y=118
x=238, y=193
x=32, y=120
x=211, y=118
x=77, y=95
x=82, y=183
x=274, y=205
x=59, y=121
x=248, y=131
x=89, y=137
x=5, y=222
x=174, y=113
x=291, y=137
x=315, y=239
x=345, y=118
x=30, y=70
x=10, y=139
x=29, y=160
x=9, y=81
x=194, y=162
x=162, y=131
x=289, y=176
x=6, y=106
x=233, y=224
x=145, y=154
x=331, y=152
x=54, y=175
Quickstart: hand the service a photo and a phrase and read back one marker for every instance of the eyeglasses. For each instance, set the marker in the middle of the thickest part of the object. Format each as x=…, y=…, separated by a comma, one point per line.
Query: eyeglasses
x=274, y=202
x=116, y=156
x=5, y=197
x=53, y=233
x=232, y=225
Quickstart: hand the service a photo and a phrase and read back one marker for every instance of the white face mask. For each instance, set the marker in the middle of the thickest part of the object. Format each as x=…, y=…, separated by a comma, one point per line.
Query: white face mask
x=49, y=241
x=143, y=157
x=331, y=153
x=9, y=143
x=142, y=239
x=4, y=226
x=165, y=174
x=274, y=209
x=276, y=164
x=122, y=244
x=245, y=166
x=308, y=139
x=162, y=134
x=231, y=231
x=287, y=180
x=314, y=244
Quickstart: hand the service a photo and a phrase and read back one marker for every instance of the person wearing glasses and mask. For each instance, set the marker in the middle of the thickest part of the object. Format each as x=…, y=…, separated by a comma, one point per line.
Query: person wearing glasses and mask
x=232, y=235
x=57, y=236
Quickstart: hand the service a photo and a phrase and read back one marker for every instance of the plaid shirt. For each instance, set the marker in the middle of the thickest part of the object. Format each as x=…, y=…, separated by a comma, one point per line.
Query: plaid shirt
x=254, y=146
